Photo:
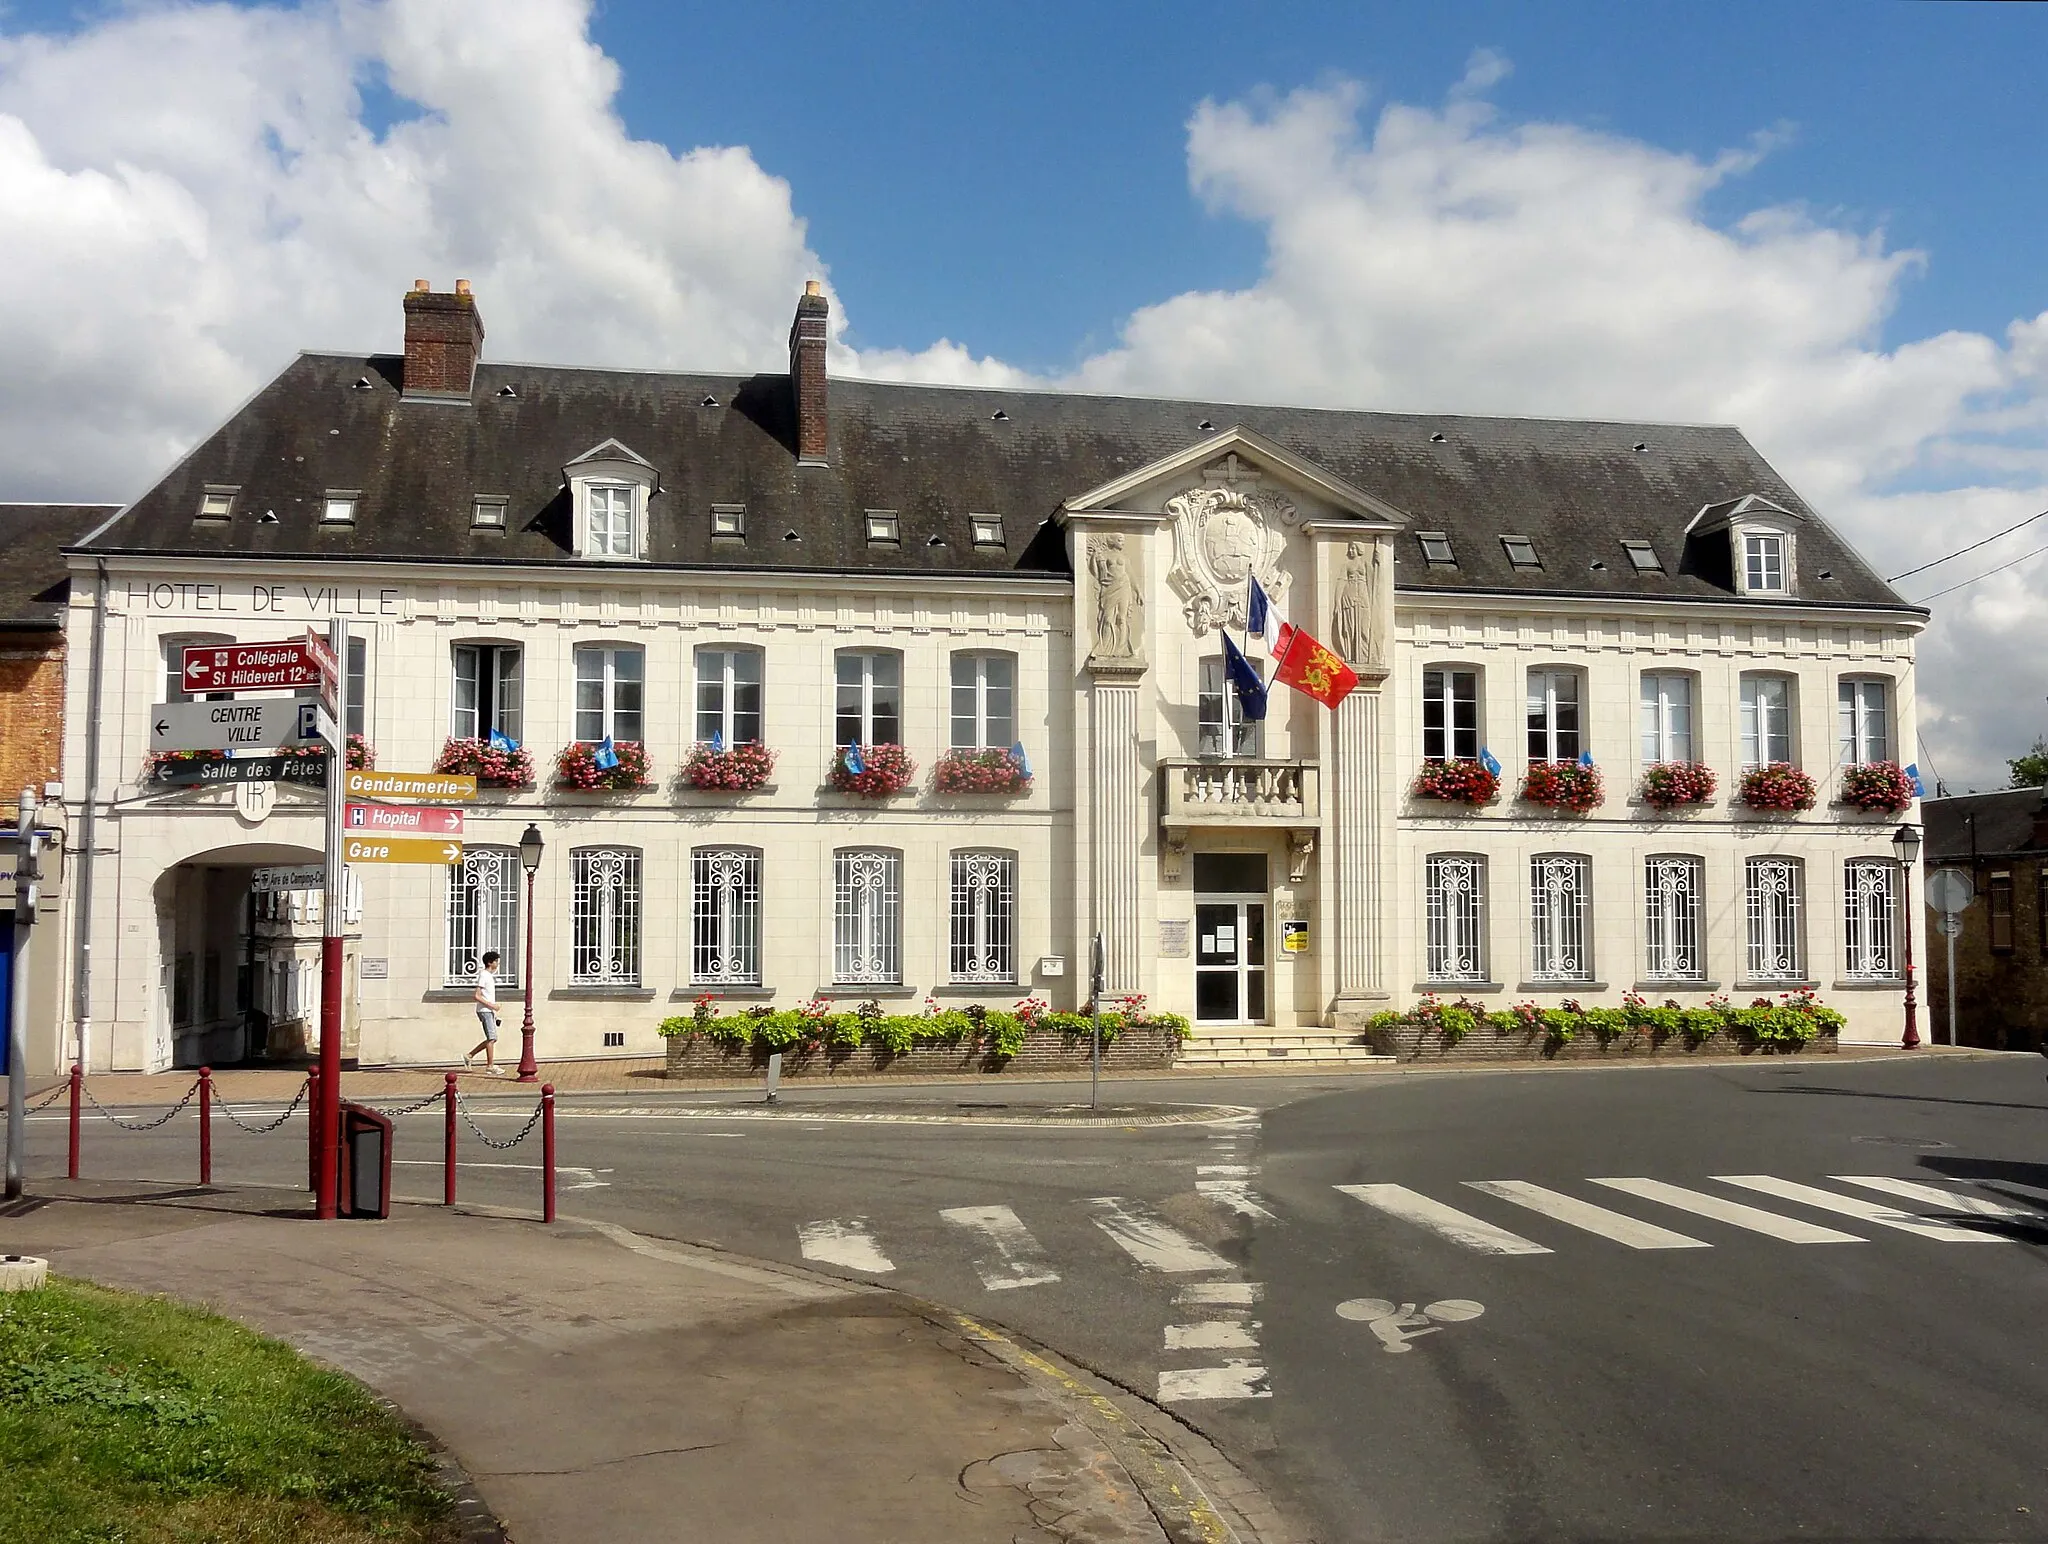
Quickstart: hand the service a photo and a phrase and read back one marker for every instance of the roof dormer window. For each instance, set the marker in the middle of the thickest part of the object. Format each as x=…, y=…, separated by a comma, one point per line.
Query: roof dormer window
x=987, y=529
x=729, y=520
x=1436, y=549
x=1521, y=551
x=1763, y=562
x=339, y=507
x=609, y=489
x=883, y=527
x=216, y=503
x=487, y=512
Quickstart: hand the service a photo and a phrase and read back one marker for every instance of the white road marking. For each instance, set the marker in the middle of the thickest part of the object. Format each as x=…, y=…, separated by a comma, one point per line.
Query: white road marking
x=1445, y=1221
x=1395, y=1325
x=1856, y=1206
x=1236, y=1194
x=1233, y=1380
x=1229, y=1170
x=1009, y=1257
x=1150, y=1240
x=1219, y=1294
x=843, y=1241
x=1593, y=1219
x=588, y=1181
x=1934, y=1195
x=1215, y=1335
x=1789, y=1229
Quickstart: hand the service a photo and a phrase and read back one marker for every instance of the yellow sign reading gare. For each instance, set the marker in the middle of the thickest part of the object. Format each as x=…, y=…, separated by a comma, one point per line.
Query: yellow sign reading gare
x=400, y=849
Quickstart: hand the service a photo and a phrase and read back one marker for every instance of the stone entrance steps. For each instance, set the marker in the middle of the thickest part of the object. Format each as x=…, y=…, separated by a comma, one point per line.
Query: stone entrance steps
x=1254, y=1045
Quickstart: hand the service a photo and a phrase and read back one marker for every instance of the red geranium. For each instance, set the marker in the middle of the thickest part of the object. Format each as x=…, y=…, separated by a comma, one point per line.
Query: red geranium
x=1564, y=785
x=1668, y=784
x=489, y=765
x=1777, y=786
x=577, y=766
x=1456, y=782
x=886, y=770
x=989, y=771
x=741, y=769
x=1878, y=786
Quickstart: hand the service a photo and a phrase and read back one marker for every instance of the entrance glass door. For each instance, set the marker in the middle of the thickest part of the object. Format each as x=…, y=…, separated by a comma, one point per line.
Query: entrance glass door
x=1230, y=961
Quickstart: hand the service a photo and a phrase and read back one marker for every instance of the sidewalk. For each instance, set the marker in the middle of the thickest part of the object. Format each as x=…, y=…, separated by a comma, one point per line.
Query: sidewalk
x=600, y=1386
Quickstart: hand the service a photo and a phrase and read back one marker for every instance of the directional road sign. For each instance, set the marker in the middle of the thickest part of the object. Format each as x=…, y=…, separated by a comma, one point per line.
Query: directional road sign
x=399, y=849
x=403, y=819
x=409, y=785
x=252, y=667
x=303, y=876
x=265, y=723
x=310, y=770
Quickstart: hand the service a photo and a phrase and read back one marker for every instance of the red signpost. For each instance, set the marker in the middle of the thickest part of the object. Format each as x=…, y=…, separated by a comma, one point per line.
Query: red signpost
x=404, y=819
x=254, y=667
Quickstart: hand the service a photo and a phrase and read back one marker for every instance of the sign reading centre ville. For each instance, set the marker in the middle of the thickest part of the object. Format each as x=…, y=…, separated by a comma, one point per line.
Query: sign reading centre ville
x=409, y=785
x=267, y=723
x=399, y=849
x=254, y=667
x=404, y=819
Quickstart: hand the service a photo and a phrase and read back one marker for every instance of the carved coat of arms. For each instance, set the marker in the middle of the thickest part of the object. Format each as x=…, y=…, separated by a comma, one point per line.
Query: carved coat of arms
x=1221, y=536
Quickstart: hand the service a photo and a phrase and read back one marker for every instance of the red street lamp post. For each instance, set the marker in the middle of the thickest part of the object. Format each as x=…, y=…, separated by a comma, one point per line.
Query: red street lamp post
x=530, y=846
x=1906, y=848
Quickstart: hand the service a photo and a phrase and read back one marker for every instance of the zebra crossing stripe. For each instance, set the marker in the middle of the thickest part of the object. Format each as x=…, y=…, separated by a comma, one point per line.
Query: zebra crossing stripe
x=1235, y=1195
x=1009, y=1256
x=1219, y=1294
x=1444, y=1221
x=1585, y=1215
x=1788, y=1229
x=1150, y=1241
x=1856, y=1206
x=845, y=1242
x=1233, y=1380
x=1934, y=1195
x=1212, y=1335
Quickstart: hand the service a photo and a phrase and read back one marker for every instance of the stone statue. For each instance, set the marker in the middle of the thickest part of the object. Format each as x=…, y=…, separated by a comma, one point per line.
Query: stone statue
x=1119, y=605
x=1358, y=621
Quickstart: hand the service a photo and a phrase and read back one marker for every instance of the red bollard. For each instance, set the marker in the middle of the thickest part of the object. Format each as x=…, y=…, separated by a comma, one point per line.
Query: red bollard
x=313, y=1129
x=547, y=1151
x=77, y=1100
x=206, y=1125
x=448, y=1139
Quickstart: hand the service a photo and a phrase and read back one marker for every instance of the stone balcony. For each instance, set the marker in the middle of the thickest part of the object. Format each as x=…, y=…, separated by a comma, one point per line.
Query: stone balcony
x=1239, y=794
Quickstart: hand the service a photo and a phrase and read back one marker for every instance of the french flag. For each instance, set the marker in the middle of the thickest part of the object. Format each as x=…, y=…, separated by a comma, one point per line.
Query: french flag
x=1266, y=622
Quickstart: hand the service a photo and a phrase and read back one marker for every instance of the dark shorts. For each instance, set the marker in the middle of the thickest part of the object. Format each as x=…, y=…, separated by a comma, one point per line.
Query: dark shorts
x=488, y=1017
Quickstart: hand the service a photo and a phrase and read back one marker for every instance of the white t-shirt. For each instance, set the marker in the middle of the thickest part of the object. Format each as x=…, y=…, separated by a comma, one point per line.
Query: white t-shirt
x=486, y=987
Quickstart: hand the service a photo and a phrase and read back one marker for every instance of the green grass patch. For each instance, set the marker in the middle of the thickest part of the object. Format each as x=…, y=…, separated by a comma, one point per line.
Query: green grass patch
x=135, y=1420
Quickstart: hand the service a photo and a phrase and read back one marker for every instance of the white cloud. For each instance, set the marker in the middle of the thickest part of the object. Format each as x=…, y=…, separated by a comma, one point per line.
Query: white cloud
x=190, y=193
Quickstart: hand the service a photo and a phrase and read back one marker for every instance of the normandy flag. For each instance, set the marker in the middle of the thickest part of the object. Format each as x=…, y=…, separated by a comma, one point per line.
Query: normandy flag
x=1313, y=670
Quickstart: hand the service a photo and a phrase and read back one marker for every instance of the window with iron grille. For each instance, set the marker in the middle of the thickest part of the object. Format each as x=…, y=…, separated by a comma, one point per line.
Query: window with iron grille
x=984, y=701
x=1766, y=719
x=1667, y=717
x=1772, y=890
x=486, y=691
x=483, y=914
x=1672, y=897
x=725, y=916
x=867, y=917
x=1454, y=903
x=984, y=914
x=1870, y=919
x=604, y=922
x=729, y=696
x=868, y=705
x=1554, y=715
x=1862, y=729
x=610, y=686
x=1559, y=903
x=1450, y=715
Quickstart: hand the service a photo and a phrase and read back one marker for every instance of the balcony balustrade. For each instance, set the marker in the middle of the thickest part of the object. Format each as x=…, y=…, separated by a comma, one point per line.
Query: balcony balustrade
x=1240, y=794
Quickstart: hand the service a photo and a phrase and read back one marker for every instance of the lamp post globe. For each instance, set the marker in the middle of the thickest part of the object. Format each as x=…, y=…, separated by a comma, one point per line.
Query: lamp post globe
x=1906, y=848
x=530, y=848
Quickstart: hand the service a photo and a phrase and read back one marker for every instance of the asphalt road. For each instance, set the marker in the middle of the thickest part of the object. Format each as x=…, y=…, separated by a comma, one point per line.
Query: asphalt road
x=1638, y=1371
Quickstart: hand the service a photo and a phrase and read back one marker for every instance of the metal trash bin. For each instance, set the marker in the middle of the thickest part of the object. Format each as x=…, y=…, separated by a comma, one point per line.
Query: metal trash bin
x=365, y=1163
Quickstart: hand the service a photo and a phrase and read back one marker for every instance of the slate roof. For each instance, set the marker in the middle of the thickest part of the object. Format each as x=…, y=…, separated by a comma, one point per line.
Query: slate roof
x=935, y=455
x=2004, y=824
x=34, y=584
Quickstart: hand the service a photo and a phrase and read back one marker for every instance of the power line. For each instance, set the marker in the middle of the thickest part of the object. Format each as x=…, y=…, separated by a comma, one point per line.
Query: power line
x=1987, y=541
x=1966, y=583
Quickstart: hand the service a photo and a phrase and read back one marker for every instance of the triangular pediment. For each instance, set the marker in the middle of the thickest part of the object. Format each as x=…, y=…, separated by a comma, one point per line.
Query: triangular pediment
x=1751, y=506
x=609, y=451
x=1231, y=449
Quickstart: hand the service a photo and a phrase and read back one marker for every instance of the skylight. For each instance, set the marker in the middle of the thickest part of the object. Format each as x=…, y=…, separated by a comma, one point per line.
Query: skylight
x=339, y=508
x=1643, y=557
x=1436, y=549
x=217, y=503
x=728, y=520
x=1521, y=551
x=883, y=526
x=988, y=530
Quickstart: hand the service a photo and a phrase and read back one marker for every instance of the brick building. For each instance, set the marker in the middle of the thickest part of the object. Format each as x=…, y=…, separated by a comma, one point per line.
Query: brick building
x=2001, y=841
x=35, y=583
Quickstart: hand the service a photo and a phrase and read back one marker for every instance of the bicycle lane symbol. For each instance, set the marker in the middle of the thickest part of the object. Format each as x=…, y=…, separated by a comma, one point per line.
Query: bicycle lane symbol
x=1395, y=1325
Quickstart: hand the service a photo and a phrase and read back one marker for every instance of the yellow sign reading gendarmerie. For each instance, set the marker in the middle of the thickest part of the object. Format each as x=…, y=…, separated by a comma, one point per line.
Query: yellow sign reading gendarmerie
x=410, y=785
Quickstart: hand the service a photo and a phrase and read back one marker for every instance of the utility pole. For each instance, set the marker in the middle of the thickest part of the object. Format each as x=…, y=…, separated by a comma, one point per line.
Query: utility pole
x=27, y=871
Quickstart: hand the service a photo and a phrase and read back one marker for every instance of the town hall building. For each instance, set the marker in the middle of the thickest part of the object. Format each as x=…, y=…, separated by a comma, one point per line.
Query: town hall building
x=827, y=688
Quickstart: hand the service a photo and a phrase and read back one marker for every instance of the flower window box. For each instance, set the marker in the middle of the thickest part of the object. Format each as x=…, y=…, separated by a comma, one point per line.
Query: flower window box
x=886, y=770
x=743, y=768
x=577, y=767
x=982, y=771
x=1777, y=788
x=1668, y=785
x=492, y=766
x=1564, y=785
x=1456, y=782
x=1881, y=787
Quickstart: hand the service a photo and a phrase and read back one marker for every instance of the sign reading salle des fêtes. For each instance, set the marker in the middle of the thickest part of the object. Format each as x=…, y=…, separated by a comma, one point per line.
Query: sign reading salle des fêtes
x=243, y=597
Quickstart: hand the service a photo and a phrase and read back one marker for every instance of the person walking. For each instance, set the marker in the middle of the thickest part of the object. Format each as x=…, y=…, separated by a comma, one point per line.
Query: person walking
x=486, y=999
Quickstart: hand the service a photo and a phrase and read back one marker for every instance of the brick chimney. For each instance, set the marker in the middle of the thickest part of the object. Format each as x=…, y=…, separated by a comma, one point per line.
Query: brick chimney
x=444, y=338
x=807, y=374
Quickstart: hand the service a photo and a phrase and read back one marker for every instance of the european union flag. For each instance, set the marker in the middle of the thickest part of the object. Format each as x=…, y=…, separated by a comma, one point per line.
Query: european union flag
x=1913, y=776
x=854, y=762
x=605, y=757
x=1023, y=761
x=1488, y=760
x=501, y=741
x=1251, y=691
